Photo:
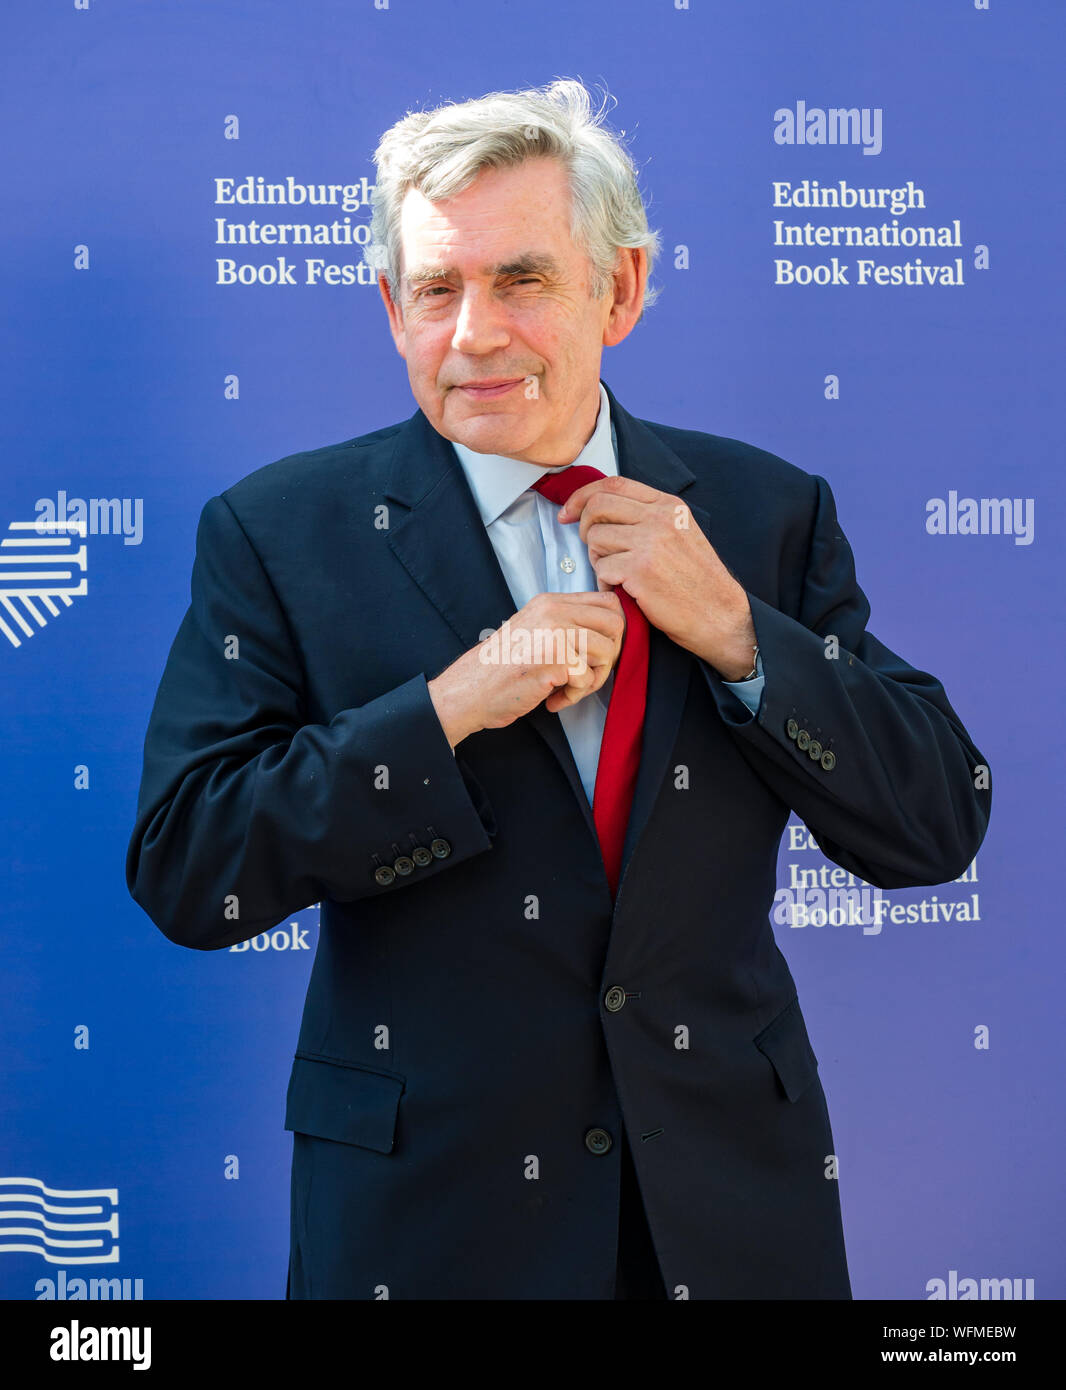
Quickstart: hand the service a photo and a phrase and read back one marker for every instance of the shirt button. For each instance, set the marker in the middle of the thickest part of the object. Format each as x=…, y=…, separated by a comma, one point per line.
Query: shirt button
x=440, y=848
x=404, y=864
x=792, y=729
x=567, y=565
x=829, y=760
x=384, y=875
x=615, y=998
x=803, y=740
x=815, y=750
x=598, y=1141
x=421, y=856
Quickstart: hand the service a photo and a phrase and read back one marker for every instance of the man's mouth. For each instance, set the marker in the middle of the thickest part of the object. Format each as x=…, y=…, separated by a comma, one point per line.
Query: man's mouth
x=490, y=387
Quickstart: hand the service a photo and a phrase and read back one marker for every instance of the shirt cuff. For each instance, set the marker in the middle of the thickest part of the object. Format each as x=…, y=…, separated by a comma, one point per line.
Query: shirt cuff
x=749, y=691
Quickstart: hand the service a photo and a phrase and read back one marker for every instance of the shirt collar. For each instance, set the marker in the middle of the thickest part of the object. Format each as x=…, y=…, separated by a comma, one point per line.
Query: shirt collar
x=496, y=481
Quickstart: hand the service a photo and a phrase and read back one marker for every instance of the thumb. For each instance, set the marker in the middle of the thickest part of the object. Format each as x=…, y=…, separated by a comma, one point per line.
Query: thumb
x=594, y=559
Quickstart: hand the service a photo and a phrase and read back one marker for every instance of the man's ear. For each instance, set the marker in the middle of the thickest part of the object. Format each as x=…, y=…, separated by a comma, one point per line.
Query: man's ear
x=395, y=316
x=626, y=294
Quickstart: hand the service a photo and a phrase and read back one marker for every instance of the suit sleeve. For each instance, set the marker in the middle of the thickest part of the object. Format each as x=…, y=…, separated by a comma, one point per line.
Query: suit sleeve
x=246, y=812
x=865, y=749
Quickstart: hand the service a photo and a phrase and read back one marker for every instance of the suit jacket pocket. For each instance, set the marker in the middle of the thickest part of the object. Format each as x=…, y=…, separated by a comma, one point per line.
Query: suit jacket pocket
x=785, y=1042
x=343, y=1101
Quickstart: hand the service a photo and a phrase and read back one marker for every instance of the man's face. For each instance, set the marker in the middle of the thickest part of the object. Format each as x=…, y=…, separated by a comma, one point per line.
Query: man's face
x=494, y=318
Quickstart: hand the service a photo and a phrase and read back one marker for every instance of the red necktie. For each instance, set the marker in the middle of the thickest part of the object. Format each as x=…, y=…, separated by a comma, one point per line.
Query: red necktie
x=619, y=761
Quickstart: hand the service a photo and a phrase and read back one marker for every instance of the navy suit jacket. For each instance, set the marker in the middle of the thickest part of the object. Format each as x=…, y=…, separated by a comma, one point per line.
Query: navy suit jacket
x=481, y=1019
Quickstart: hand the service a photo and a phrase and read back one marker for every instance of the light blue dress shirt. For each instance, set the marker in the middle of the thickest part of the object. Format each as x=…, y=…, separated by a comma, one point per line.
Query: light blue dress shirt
x=540, y=554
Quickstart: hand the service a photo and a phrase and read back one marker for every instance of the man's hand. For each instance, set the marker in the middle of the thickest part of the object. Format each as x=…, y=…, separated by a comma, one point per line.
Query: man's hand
x=557, y=648
x=649, y=543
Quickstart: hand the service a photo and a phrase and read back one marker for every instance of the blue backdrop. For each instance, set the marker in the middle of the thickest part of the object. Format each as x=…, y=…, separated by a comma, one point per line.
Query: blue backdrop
x=154, y=1077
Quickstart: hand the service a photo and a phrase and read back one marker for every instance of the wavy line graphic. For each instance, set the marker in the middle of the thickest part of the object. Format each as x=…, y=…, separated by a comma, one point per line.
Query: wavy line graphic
x=26, y=1228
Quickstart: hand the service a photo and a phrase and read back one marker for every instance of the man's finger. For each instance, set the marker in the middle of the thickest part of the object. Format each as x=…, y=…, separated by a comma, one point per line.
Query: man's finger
x=613, y=508
x=617, y=486
x=610, y=538
x=591, y=595
x=595, y=617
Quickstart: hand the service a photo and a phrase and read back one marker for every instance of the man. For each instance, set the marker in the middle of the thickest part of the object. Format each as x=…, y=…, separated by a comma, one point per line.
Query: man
x=550, y=1048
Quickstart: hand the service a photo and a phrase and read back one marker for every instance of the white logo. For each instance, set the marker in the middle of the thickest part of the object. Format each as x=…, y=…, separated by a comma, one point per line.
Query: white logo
x=36, y=570
x=76, y=1227
x=77, y=1343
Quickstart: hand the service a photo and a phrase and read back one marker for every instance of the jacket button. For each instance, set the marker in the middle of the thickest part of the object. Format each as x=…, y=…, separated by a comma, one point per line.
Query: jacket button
x=421, y=856
x=615, y=998
x=803, y=740
x=814, y=752
x=792, y=728
x=404, y=865
x=597, y=1141
x=384, y=875
x=440, y=849
x=829, y=760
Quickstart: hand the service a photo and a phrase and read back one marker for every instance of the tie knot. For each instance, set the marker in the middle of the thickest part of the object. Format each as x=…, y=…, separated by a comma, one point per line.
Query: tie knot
x=557, y=487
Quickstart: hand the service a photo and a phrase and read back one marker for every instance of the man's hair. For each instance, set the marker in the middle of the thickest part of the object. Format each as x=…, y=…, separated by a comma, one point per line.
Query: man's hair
x=441, y=152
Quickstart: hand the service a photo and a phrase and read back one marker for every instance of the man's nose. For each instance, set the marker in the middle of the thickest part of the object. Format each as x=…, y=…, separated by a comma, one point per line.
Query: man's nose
x=481, y=325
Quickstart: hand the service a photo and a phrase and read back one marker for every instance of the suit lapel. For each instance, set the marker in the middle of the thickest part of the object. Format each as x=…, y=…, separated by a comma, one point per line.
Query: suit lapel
x=442, y=543
x=642, y=455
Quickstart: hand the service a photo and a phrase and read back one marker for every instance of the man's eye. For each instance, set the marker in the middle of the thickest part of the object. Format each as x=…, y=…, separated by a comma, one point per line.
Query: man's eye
x=437, y=291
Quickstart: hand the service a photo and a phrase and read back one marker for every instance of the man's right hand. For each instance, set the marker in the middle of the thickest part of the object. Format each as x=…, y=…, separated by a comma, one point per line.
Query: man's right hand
x=487, y=689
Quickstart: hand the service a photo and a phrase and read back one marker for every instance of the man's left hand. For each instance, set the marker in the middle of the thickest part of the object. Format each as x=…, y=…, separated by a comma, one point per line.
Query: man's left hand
x=648, y=542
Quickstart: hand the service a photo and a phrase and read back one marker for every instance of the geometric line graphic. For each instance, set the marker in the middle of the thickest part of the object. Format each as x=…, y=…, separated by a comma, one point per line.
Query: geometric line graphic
x=77, y=1227
x=35, y=571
